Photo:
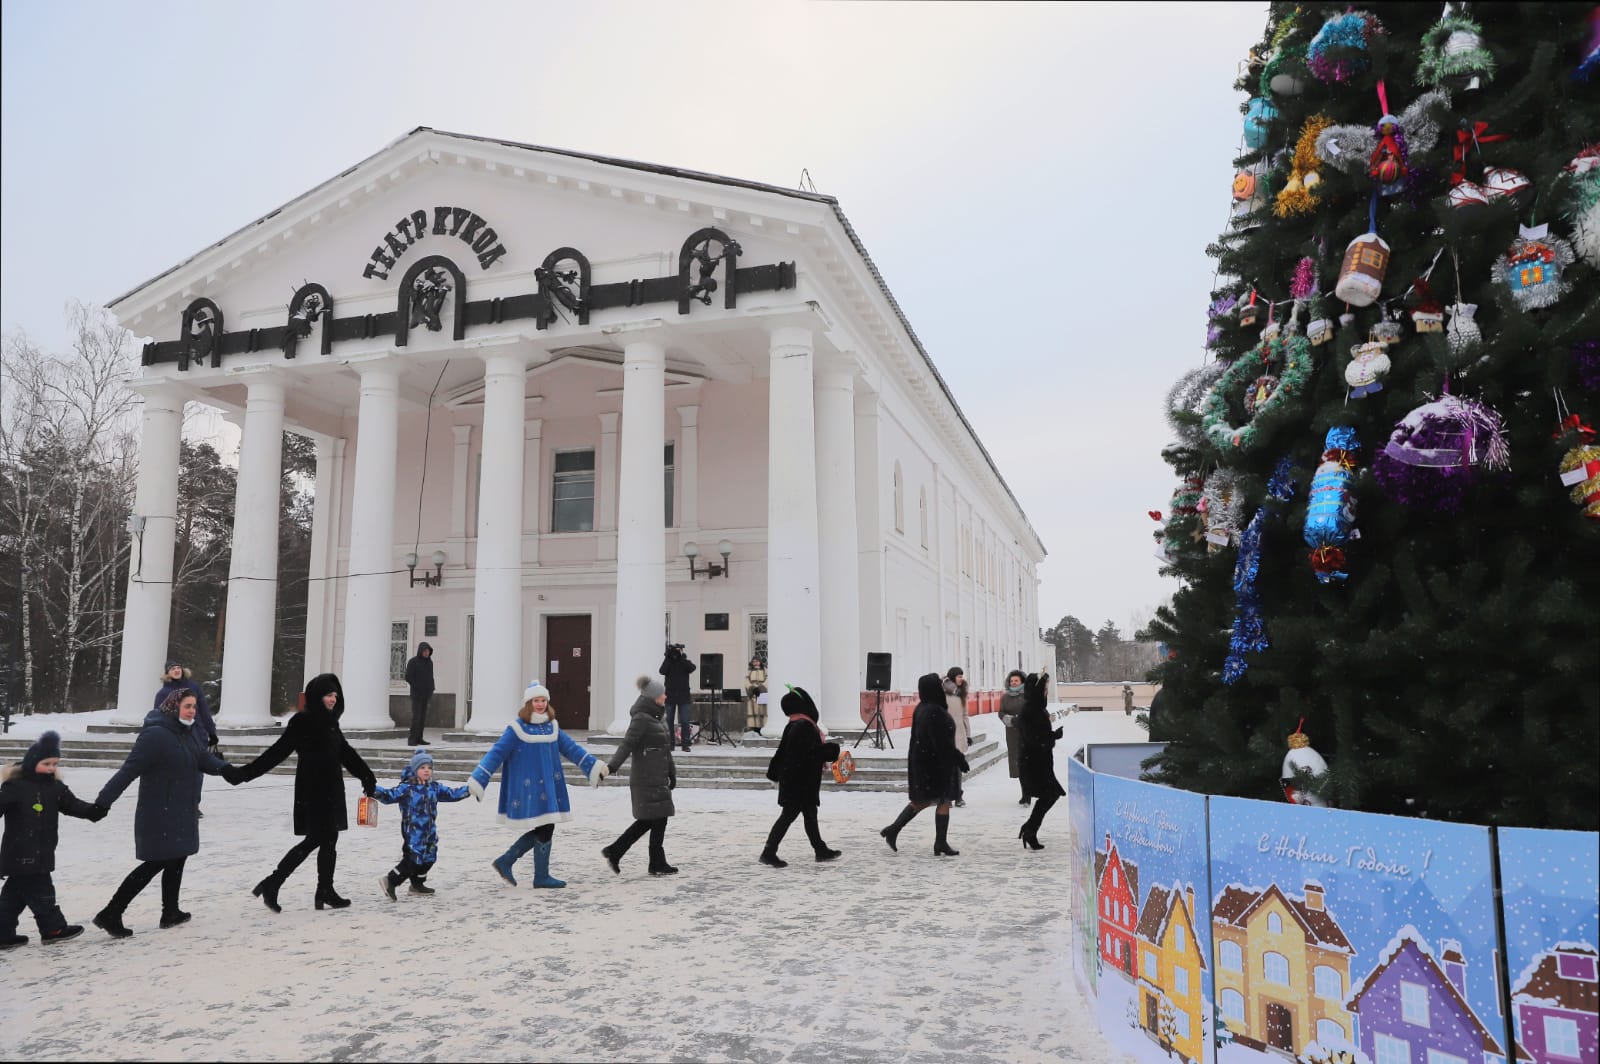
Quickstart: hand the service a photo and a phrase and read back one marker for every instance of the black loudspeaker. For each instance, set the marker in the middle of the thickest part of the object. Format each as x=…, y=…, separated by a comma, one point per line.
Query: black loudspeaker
x=878, y=667
x=710, y=672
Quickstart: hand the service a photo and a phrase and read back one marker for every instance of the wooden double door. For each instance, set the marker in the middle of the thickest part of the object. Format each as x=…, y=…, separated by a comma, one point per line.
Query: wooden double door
x=568, y=654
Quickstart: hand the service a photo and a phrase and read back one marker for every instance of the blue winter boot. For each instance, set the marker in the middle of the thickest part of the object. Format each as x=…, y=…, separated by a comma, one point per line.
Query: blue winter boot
x=541, y=867
x=503, y=863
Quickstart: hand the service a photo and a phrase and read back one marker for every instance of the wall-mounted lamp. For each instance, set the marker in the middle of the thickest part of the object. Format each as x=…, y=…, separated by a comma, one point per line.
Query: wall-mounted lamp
x=433, y=579
x=710, y=569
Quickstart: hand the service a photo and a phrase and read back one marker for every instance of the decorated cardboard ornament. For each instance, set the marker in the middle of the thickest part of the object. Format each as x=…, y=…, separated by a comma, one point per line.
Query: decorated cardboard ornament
x=1368, y=366
x=1580, y=471
x=1533, y=269
x=1386, y=332
x=1462, y=331
x=1427, y=315
x=1302, y=758
x=1249, y=310
x=1361, y=273
x=1244, y=185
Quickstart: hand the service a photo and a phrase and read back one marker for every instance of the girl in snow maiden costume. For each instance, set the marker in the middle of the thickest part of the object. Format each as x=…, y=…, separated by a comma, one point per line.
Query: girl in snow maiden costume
x=533, y=790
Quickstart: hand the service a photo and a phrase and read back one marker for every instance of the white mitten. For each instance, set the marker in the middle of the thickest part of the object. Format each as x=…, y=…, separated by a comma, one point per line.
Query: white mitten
x=600, y=772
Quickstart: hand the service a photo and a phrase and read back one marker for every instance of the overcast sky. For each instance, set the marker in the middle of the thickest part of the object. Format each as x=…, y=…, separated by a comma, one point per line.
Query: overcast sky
x=1036, y=182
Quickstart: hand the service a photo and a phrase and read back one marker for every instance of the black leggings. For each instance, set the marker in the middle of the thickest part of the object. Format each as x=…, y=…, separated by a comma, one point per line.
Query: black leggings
x=171, y=883
x=327, y=846
x=1040, y=808
x=636, y=830
x=781, y=828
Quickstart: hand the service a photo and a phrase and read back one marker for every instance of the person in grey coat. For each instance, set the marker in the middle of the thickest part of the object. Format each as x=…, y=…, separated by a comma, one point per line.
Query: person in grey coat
x=651, y=781
x=166, y=824
x=1011, y=701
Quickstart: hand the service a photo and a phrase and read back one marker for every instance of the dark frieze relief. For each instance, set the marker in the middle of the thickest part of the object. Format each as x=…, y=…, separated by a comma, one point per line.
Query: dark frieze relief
x=459, y=222
x=432, y=295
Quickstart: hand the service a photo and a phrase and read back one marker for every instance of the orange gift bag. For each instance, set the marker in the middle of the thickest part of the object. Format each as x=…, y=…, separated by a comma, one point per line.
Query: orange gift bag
x=367, y=812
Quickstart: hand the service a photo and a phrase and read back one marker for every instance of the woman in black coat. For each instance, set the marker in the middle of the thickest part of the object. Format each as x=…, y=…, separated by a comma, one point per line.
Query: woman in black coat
x=1037, y=768
x=166, y=825
x=934, y=765
x=319, y=812
x=797, y=770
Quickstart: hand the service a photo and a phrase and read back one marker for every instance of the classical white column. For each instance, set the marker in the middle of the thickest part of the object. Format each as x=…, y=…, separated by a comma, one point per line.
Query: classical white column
x=869, y=541
x=320, y=582
x=460, y=484
x=369, y=588
x=532, y=478
x=687, y=463
x=794, y=612
x=253, y=565
x=148, y=607
x=843, y=661
x=641, y=509
x=605, y=483
x=497, y=673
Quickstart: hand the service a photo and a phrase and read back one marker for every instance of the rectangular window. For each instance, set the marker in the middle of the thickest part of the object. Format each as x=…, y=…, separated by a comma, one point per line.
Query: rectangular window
x=399, y=650
x=1180, y=982
x=1113, y=875
x=1561, y=1036
x=1180, y=938
x=1391, y=1050
x=667, y=464
x=430, y=627
x=572, y=492
x=1414, y=1003
x=1183, y=1024
x=716, y=622
x=1150, y=966
x=1575, y=966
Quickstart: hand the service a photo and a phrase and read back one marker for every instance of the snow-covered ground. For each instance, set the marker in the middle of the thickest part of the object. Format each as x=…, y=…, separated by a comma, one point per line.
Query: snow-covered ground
x=65, y=723
x=877, y=956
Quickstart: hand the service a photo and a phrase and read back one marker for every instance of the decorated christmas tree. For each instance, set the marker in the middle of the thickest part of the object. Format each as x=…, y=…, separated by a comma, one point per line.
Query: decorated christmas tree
x=1387, y=514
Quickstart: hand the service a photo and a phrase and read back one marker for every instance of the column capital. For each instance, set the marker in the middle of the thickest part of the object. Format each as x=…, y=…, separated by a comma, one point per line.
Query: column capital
x=505, y=360
x=532, y=427
x=608, y=421
x=834, y=376
x=462, y=433
x=689, y=416
x=790, y=340
x=158, y=393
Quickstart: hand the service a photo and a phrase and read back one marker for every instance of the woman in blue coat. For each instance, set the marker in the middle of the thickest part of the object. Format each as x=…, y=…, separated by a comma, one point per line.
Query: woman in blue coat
x=533, y=789
x=166, y=825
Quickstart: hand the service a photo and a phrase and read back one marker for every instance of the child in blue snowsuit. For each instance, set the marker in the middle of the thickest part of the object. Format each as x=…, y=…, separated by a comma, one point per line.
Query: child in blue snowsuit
x=533, y=789
x=418, y=797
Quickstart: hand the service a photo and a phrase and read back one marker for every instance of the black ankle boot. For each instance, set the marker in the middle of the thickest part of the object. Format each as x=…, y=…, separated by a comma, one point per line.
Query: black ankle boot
x=111, y=924
x=892, y=833
x=828, y=854
x=941, y=827
x=174, y=918
x=770, y=857
x=327, y=896
x=658, y=863
x=267, y=891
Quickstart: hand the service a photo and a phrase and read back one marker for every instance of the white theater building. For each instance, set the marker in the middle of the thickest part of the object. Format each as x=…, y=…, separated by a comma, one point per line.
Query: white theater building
x=607, y=403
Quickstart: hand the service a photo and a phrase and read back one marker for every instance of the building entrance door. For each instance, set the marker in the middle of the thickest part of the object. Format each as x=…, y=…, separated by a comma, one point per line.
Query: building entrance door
x=1280, y=1027
x=567, y=656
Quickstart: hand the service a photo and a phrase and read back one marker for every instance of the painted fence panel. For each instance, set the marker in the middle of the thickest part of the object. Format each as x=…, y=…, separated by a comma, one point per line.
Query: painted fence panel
x=1154, y=997
x=1551, y=882
x=1080, y=841
x=1343, y=936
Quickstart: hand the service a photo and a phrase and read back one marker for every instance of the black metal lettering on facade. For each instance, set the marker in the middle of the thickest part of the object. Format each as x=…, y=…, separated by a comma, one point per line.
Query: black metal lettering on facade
x=459, y=222
x=434, y=288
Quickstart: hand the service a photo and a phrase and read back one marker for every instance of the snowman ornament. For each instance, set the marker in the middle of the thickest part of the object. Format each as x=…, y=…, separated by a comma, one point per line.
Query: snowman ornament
x=1302, y=759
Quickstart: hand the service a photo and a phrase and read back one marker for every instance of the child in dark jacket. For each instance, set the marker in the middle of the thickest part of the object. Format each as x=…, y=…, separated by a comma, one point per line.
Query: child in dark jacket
x=32, y=798
x=418, y=797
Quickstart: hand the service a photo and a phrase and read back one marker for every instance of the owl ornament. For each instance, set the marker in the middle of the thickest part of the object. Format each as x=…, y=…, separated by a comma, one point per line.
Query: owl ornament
x=1533, y=270
x=1384, y=150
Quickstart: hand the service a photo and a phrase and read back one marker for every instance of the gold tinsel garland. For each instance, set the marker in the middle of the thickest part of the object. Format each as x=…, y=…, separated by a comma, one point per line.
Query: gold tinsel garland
x=1297, y=197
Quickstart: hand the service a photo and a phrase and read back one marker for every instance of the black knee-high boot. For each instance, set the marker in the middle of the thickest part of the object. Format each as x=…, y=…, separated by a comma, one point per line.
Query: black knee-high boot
x=941, y=825
x=1030, y=829
x=327, y=861
x=769, y=856
x=171, y=886
x=892, y=832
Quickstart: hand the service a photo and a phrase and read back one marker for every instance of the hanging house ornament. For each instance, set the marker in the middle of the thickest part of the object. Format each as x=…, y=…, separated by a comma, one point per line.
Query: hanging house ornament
x=1361, y=274
x=1249, y=632
x=1436, y=451
x=1533, y=269
x=1249, y=310
x=1320, y=331
x=1342, y=47
x=1453, y=55
x=1304, y=771
x=1331, y=506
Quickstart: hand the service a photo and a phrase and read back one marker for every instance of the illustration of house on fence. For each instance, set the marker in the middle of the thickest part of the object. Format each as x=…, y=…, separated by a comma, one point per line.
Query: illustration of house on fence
x=1117, y=883
x=1283, y=967
x=1557, y=1000
x=1171, y=1005
x=1412, y=1009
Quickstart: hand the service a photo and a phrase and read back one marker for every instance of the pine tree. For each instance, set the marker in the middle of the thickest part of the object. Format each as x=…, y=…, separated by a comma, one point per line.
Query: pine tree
x=1447, y=661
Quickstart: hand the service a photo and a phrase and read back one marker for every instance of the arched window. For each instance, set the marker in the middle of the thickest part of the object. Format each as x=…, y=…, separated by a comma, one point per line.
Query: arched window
x=1329, y=1033
x=1232, y=957
x=1232, y=1005
x=922, y=513
x=1274, y=923
x=1328, y=984
x=899, y=500
x=1275, y=968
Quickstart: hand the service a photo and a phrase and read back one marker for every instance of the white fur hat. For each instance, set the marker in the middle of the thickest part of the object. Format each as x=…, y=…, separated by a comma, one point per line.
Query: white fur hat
x=534, y=690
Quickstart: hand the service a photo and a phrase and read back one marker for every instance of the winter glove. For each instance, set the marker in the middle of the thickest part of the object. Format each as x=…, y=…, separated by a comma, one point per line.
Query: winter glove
x=600, y=773
x=830, y=753
x=1057, y=733
x=964, y=766
x=99, y=814
x=232, y=775
x=369, y=785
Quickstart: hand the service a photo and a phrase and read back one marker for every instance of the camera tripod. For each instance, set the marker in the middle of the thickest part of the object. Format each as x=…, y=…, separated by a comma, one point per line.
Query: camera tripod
x=876, y=727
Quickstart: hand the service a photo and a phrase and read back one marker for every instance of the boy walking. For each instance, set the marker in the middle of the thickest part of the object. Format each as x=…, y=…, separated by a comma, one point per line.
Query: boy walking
x=418, y=797
x=32, y=799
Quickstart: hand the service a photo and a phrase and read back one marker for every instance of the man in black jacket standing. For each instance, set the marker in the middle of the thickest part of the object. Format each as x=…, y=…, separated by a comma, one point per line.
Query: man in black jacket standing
x=419, y=674
x=675, y=668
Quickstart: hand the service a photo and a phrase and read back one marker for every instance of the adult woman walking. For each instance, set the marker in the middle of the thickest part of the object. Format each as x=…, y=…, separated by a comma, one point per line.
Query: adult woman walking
x=652, y=780
x=533, y=789
x=755, y=685
x=1010, y=705
x=166, y=824
x=319, y=813
x=934, y=765
x=1038, y=757
x=955, y=696
x=796, y=768
x=177, y=677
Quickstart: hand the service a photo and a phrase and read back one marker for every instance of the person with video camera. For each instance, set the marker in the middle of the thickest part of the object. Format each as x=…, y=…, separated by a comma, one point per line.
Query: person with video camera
x=675, y=670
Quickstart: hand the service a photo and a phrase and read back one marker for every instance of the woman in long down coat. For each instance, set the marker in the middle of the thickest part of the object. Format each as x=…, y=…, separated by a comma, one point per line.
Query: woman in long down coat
x=1038, y=769
x=651, y=781
x=955, y=697
x=319, y=810
x=797, y=770
x=1011, y=700
x=533, y=788
x=934, y=765
x=166, y=826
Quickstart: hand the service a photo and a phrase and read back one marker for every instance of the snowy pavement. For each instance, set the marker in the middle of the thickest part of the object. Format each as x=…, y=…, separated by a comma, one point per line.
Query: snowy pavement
x=877, y=956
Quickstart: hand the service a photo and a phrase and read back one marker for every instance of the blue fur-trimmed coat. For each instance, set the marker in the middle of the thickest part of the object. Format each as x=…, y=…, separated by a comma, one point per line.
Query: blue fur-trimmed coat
x=419, y=812
x=533, y=789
